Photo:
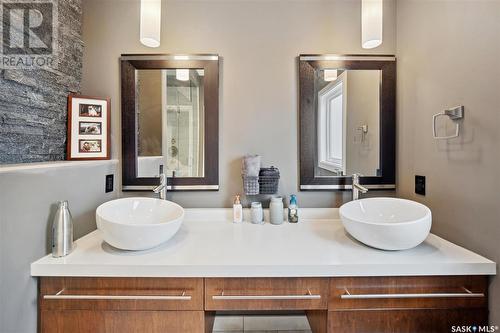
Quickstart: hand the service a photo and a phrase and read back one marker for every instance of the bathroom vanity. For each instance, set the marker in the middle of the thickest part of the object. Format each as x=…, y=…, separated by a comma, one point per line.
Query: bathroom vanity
x=213, y=265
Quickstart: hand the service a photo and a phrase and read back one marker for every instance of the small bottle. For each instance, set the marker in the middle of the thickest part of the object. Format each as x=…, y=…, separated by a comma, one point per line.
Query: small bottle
x=293, y=210
x=257, y=215
x=237, y=210
x=62, y=231
x=276, y=210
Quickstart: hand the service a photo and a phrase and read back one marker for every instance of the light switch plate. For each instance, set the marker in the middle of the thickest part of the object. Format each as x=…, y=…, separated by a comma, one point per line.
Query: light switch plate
x=420, y=185
x=109, y=183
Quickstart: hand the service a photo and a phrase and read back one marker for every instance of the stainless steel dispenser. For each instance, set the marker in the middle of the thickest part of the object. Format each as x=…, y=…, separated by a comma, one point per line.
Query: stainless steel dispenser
x=62, y=231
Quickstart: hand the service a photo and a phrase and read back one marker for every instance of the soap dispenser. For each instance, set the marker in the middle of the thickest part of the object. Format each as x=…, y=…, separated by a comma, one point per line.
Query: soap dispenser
x=293, y=210
x=62, y=231
x=237, y=210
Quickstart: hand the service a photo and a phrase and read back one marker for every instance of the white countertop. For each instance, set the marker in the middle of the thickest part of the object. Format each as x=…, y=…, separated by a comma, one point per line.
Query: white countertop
x=209, y=245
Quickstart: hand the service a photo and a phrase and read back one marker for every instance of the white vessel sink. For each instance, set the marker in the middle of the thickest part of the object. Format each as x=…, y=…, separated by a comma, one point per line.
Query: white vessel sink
x=138, y=223
x=387, y=223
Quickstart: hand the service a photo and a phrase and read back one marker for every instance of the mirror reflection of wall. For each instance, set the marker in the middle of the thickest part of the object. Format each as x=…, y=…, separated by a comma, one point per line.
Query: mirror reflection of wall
x=348, y=122
x=170, y=111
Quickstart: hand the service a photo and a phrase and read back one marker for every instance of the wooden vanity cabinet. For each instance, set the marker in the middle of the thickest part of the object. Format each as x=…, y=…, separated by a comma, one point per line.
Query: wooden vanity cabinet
x=332, y=305
x=406, y=304
x=107, y=321
x=122, y=305
x=249, y=294
x=81, y=293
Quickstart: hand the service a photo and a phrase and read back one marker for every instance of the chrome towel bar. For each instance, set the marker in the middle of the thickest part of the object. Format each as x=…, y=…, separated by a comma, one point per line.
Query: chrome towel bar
x=467, y=293
x=307, y=296
x=60, y=296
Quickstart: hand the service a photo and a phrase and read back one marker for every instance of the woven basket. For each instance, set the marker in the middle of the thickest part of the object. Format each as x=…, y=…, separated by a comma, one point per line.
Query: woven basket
x=269, y=179
x=251, y=185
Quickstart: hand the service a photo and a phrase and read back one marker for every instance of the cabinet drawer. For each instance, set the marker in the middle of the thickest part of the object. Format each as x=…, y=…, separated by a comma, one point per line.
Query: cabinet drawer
x=121, y=293
x=90, y=321
x=266, y=293
x=404, y=321
x=408, y=292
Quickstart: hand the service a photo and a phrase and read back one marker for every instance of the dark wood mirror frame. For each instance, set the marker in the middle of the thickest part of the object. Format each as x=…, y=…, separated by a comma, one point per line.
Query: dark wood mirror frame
x=210, y=64
x=307, y=118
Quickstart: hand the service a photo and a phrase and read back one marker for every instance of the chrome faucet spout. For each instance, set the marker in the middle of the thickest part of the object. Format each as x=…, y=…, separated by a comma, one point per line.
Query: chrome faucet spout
x=357, y=187
x=162, y=188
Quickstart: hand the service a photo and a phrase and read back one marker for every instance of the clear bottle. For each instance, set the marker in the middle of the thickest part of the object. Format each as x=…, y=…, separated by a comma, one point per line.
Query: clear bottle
x=293, y=210
x=237, y=210
x=276, y=210
x=257, y=215
x=62, y=231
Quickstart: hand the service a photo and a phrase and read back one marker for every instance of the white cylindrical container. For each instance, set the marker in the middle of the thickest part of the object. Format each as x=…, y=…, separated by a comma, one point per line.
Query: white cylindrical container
x=150, y=27
x=276, y=210
x=257, y=213
x=371, y=23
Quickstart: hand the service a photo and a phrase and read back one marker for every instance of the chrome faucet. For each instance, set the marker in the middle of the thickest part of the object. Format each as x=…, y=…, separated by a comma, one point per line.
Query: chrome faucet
x=162, y=188
x=356, y=187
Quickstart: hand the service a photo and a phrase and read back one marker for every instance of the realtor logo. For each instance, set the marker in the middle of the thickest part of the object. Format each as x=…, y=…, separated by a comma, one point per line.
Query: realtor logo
x=474, y=329
x=29, y=34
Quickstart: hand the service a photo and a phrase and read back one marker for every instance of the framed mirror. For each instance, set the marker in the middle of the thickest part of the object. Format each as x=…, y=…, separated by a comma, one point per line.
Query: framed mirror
x=170, y=108
x=347, y=121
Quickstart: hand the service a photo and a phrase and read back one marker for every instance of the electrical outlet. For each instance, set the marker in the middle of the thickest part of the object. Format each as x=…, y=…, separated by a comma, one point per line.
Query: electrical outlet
x=420, y=185
x=110, y=183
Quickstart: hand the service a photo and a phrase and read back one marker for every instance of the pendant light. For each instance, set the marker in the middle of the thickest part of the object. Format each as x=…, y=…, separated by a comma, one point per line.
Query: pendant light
x=150, y=22
x=182, y=74
x=330, y=75
x=371, y=23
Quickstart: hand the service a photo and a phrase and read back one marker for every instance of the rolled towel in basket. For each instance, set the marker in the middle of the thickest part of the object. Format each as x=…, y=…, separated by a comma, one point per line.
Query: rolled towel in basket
x=251, y=166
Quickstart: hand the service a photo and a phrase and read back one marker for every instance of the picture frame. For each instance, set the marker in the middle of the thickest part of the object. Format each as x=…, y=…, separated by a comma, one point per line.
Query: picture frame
x=89, y=127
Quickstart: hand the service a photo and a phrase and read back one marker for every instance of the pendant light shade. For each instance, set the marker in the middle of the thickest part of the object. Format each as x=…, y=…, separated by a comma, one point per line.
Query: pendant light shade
x=150, y=22
x=371, y=23
x=330, y=75
x=182, y=74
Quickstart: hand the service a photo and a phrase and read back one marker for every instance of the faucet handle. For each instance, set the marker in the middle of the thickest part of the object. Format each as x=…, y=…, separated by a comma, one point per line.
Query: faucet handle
x=357, y=187
x=355, y=177
x=360, y=188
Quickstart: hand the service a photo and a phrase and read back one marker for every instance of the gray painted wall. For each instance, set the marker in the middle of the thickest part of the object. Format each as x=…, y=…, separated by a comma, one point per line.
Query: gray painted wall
x=363, y=108
x=33, y=102
x=259, y=42
x=448, y=55
x=28, y=200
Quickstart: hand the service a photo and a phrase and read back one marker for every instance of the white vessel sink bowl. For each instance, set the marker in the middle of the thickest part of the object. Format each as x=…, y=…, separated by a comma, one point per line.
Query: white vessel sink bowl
x=138, y=223
x=387, y=223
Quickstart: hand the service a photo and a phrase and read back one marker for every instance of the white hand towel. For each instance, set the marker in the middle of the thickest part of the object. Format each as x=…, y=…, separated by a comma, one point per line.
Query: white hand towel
x=251, y=165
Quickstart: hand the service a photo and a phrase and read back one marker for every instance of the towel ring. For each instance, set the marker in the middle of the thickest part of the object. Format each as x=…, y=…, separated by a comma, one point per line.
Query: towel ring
x=455, y=113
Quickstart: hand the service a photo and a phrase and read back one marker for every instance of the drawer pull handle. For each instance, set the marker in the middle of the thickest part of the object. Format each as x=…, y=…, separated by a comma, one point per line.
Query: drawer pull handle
x=307, y=296
x=467, y=293
x=60, y=296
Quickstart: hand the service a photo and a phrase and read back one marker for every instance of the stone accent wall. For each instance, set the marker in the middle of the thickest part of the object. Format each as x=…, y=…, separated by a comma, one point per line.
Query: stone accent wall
x=33, y=103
